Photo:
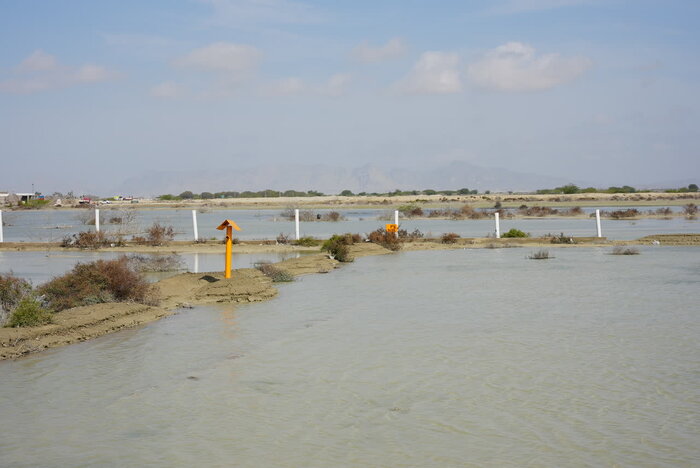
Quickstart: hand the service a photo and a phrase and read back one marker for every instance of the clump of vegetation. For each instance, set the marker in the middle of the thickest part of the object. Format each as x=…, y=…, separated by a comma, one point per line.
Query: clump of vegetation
x=156, y=235
x=307, y=241
x=29, y=313
x=337, y=246
x=560, y=239
x=332, y=216
x=620, y=250
x=411, y=211
x=538, y=211
x=406, y=236
x=275, y=274
x=91, y=240
x=283, y=239
x=690, y=210
x=515, y=233
x=449, y=238
x=388, y=240
x=34, y=204
x=157, y=263
x=96, y=282
x=12, y=291
x=621, y=214
x=540, y=255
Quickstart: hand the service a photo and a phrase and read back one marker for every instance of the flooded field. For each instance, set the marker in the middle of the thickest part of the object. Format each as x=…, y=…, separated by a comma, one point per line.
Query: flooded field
x=54, y=225
x=444, y=358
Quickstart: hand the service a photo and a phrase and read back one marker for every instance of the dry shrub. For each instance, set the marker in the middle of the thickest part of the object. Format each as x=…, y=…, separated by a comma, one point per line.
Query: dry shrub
x=406, y=236
x=621, y=214
x=307, y=241
x=96, y=282
x=332, y=216
x=690, y=210
x=538, y=211
x=388, y=240
x=283, y=239
x=449, y=238
x=156, y=235
x=91, y=240
x=411, y=211
x=560, y=239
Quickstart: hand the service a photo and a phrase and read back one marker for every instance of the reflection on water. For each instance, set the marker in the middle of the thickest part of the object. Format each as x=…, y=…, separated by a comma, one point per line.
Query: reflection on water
x=450, y=358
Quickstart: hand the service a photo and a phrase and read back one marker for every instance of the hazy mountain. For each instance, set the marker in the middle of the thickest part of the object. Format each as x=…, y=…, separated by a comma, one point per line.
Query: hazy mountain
x=332, y=180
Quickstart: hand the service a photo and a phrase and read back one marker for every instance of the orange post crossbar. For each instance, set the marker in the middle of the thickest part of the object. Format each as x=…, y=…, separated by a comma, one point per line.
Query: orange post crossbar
x=230, y=226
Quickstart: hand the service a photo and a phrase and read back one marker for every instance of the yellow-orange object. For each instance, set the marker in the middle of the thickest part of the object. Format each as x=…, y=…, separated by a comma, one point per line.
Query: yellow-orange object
x=392, y=228
x=230, y=226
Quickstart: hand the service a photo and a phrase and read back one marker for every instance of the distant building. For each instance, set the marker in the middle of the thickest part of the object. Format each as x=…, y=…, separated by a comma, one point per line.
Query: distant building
x=3, y=198
x=25, y=197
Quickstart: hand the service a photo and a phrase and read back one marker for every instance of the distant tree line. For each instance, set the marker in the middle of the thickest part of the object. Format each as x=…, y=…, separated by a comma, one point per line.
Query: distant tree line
x=462, y=191
x=188, y=195
x=571, y=188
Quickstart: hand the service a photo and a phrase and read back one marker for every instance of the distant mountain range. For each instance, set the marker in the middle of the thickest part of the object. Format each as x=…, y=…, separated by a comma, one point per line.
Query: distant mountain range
x=332, y=180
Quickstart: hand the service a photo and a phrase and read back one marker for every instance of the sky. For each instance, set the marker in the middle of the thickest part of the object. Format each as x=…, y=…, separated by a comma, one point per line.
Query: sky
x=603, y=91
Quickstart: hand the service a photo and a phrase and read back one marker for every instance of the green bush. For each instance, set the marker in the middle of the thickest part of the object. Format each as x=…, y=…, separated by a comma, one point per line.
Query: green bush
x=29, y=313
x=12, y=291
x=337, y=246
x=307, y=241
x=516, y=233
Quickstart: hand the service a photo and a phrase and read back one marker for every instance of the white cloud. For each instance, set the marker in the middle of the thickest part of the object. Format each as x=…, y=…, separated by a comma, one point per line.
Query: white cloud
x=515, y=67
x=368, y=54
x=337, y=85
x=250, y=12
x=42, y=72
x=38, y=61
x=223, y=57
x=434, y=73
x=167, y=90
x=285, y=87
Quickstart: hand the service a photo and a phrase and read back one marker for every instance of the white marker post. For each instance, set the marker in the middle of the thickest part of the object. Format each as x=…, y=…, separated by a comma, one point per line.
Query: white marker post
x=396, y=221
x=97, y=220
x=296, y=222
x=498, y=226
x=597, y=223
x=194, y=227
x=2, y=239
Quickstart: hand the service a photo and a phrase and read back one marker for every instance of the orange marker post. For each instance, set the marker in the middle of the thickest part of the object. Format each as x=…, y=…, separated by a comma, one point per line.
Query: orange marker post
x=230, y=226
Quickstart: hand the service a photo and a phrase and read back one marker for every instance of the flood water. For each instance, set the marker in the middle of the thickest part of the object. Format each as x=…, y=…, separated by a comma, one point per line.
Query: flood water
x=444, y=358
x=54, y=225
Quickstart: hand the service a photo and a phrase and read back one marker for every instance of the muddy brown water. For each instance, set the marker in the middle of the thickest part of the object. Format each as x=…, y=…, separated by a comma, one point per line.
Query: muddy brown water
x=447, y=358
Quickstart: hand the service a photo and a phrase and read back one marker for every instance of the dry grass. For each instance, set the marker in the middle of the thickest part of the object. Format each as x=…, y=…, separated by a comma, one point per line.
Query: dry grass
x=540, y=255
x=620, y=250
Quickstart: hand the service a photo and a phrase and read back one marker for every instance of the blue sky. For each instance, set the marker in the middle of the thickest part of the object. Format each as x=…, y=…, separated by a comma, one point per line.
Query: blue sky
x=591, y=90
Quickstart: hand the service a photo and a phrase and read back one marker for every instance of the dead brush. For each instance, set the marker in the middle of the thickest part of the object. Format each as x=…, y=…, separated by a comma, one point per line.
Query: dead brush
x=388, y=240
x=96, y=282
x=449, y=238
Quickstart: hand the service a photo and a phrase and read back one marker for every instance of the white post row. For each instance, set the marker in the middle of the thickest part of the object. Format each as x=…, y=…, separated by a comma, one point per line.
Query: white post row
x=498, y=226
x=296, y=222
x=597, y=223
x=194, y=226
x=396, y=221
x=2, y=239
x=97, y=220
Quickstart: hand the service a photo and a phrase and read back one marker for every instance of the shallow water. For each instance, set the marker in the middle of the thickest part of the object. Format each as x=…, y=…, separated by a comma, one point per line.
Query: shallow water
x=447, y=358
x=53, y=225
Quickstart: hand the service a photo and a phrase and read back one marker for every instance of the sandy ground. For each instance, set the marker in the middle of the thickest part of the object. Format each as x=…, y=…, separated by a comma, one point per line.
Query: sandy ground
x=245, y=286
